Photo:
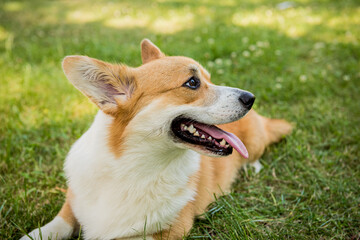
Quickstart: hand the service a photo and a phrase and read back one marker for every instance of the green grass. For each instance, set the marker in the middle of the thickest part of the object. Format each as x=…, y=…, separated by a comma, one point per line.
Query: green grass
x=302, y=64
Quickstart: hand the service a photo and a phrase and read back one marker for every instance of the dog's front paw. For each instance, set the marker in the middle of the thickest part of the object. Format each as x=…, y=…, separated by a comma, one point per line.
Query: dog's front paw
x=35, y=235
x=41, y=234
x=55, y=230
x=257, y=165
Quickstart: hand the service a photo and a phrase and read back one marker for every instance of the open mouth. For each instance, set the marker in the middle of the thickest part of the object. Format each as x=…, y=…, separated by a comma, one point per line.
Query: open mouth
x=208, y=137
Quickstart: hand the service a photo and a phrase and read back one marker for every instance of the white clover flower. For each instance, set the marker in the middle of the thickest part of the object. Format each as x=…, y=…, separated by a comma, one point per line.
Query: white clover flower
x=252, y=47
x=228, y=62
x=303, y=78
x=346, y=78
x=220, y=71
x=319, y=45
x=259, y=44
x=245, y=39
x=266, y=44
x=210, y=64
x=246, y=53
x=259, y=53
x=198, y=39
x=348, y=33
x=268, y=13
x=211, y=41
x=233, y=54
x=278, y=86
x=330, y=66
x=218, y=61
x=278, y=52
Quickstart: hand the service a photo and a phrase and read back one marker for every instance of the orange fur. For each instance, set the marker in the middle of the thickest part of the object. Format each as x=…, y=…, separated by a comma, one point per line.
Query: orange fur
x=66, y=212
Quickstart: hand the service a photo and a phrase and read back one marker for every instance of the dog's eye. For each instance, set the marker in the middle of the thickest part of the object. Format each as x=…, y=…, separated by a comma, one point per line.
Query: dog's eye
x=192, y=83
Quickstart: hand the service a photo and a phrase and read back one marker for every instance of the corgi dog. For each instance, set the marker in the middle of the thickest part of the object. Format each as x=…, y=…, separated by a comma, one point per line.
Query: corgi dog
x=153, y=158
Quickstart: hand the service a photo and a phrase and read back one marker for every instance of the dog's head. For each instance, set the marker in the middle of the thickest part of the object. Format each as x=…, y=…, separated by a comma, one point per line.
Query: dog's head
x=167, y=99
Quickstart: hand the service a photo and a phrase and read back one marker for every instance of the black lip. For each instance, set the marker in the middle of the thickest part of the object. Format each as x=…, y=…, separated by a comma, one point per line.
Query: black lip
x=187, y=137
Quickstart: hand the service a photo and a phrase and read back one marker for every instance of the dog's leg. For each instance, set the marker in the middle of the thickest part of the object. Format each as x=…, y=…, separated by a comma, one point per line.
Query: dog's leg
x=61, y=227
x=58, y=228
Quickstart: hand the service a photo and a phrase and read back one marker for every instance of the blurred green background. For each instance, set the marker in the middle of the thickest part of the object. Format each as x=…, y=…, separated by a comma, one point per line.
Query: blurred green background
x=300, y=58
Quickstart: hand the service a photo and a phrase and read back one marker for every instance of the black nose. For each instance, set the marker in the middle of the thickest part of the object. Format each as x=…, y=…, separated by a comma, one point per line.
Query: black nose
x=247, y=99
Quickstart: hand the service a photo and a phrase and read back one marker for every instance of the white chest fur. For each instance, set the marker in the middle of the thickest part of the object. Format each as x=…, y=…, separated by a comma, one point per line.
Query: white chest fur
x=118, y=197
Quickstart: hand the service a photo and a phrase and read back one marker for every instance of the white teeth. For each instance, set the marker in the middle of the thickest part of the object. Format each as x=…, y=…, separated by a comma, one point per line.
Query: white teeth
x=223, y=142
x=196, y=134
x=210, y=138
x=191, y=129
x=183, y=127
x=227, y=145
x=203, y=136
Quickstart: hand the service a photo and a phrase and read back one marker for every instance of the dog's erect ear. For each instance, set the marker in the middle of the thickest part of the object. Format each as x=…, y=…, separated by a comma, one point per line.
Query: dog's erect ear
x=105, y=84
x=150, y=51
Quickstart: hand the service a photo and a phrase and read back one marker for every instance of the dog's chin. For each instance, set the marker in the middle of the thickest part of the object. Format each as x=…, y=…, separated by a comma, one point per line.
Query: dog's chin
x=200, y=137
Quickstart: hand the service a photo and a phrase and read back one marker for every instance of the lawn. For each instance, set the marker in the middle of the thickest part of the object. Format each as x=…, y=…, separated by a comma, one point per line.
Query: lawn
x=301, y=62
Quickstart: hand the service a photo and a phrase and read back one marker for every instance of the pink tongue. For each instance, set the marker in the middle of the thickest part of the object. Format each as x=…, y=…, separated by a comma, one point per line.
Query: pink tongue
x=233, y=140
